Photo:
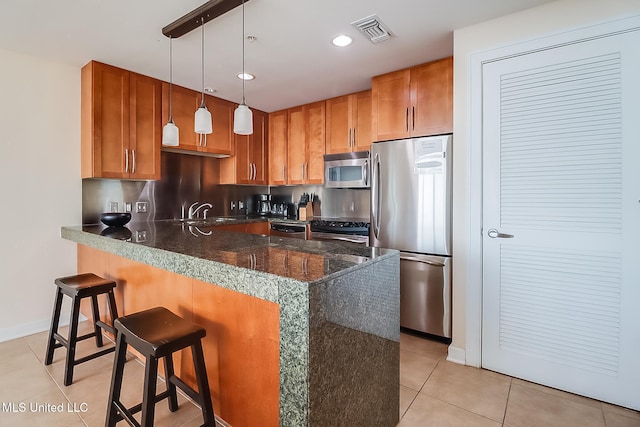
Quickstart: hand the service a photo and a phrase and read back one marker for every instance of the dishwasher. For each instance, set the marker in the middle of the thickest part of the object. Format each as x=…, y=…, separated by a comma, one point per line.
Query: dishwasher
x=288, y=229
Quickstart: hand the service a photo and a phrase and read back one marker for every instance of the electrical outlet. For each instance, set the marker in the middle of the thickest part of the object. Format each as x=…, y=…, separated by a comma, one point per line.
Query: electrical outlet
x=233, y=206
x=141, y=207
x=240, y=205
x=114, y=206
x=127, y=207
x=141, y=235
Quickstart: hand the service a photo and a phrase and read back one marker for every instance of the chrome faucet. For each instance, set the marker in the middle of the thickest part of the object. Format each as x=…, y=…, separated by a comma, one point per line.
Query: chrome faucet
x=195, y=208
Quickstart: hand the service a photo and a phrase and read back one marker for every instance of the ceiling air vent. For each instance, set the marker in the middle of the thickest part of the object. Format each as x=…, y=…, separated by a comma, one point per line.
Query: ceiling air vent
x=373, y=29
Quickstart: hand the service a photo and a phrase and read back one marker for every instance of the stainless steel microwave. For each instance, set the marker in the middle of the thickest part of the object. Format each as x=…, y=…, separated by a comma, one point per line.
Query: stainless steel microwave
x=347, y=170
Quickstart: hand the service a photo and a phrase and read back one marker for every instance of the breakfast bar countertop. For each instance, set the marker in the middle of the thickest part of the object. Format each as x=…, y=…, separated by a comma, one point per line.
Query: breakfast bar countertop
x=339, y=309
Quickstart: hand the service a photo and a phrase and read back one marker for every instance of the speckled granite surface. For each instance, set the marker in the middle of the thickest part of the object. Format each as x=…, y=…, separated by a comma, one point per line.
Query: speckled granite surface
x=339, y=309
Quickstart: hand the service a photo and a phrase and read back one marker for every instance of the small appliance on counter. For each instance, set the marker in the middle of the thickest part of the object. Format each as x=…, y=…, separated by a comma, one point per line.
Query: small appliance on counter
x=263, y=204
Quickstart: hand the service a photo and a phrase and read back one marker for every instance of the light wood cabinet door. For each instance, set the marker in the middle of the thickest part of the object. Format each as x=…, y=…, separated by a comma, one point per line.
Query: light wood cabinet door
x=390, y=99
x=339, y=126
x=278, y=134
x=315, y=143
x=361, y=117
x=258, y=152
x=249, y=163
x=348, y=123
x=432, y=98
x=221, y=140
x=145, y=127
x=105, y=121
x=185, y=102
x=296, y=153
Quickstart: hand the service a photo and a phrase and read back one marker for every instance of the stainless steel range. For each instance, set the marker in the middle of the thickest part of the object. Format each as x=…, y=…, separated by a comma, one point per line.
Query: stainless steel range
x=355, y=230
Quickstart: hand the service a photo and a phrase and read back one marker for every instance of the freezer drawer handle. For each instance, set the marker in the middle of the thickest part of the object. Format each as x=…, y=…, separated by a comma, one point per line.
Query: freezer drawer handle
x=435, y=264
x=493, y=233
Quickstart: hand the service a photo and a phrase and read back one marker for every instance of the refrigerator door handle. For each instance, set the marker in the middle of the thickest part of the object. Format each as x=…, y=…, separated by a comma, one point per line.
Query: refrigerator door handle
x=433, y=263
x=375, y=191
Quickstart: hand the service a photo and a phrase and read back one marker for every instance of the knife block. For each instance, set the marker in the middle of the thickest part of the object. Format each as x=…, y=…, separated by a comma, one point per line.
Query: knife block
x=305, y=212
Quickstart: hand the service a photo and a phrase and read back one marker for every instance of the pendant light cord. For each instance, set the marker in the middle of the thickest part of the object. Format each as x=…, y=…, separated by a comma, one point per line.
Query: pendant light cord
x=170, y=78
x=243, y=37
x=202, y=105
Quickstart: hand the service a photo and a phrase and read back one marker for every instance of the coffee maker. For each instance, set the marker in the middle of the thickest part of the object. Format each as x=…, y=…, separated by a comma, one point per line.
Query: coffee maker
x=263, y=204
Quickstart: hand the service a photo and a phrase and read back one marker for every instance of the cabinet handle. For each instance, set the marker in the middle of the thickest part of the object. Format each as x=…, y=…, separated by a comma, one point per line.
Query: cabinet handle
x=303, y=171
x=126, y=160
x=353, y=138
x=255, y=171
x=205, y=140
x=250, y=171
x=413, y=118
x=133, y=161
x=283, y=173
x=349, y=137
x=406, y=119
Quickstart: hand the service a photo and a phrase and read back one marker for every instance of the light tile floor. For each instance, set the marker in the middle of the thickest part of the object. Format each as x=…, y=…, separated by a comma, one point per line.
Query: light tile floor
x=433, y=392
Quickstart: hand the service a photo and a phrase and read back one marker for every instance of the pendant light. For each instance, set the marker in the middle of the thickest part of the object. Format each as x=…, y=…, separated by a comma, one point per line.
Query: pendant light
x=170, y=132
x=242, y=116
x=203, y=116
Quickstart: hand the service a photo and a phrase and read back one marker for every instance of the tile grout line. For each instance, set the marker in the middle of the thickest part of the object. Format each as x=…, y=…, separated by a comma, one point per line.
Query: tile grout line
x=506, y=406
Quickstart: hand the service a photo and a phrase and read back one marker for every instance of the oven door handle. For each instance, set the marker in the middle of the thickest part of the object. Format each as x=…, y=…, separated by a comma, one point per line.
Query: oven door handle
x=433, y=263
x=346, y=239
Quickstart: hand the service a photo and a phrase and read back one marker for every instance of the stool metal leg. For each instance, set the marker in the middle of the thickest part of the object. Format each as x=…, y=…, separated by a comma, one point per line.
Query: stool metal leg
x=72, y=340
x=96, y=318
x=203, y=384
x=55, y=320
x=149, y=398
x=171, y=387
x=116, y=380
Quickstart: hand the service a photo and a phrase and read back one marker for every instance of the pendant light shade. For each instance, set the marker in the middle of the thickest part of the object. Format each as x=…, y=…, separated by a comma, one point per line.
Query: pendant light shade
x=203, y=124
x=203, y=120
x=243, y=117
x=243, y=120
x=170, y=133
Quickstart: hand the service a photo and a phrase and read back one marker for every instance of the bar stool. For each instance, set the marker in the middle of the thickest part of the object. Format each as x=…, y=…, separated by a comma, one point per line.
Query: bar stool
x=157, y=333
x=78, y=287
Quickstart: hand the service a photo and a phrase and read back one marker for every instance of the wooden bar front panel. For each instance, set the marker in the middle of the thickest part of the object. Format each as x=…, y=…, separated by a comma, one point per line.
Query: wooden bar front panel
x=242, y=346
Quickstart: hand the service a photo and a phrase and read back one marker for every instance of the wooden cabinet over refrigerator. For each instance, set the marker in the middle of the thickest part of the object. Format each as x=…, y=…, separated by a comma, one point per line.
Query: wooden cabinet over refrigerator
x=416, y=101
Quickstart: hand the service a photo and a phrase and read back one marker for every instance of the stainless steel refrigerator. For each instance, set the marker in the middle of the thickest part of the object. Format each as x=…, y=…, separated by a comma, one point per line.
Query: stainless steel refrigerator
x=411, y=212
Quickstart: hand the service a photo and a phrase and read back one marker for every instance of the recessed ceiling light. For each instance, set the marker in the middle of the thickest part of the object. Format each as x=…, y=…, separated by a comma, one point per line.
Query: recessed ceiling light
x=245, y=76
x=341, y=40
x=209, y=90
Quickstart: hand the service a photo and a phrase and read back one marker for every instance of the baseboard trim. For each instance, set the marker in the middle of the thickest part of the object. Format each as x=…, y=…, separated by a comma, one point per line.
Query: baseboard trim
x=456, y=355
x=26, y=329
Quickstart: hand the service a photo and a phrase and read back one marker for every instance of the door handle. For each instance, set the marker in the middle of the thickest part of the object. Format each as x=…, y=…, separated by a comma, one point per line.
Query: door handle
x=424, y=261
x=375, y=193
x=495, y=234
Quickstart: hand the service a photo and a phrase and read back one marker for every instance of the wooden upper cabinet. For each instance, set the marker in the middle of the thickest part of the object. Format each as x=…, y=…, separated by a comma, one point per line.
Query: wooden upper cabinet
x=278, y=131
x=413, y=102
x=348, y=123
x=145, y=127
x=296, y=152
x=315, y=142
x=185, y=102
x=249, y=165
x=432, y=98
x=221, y=140
x=306, y=144
x=390, y=99
x=121, y=123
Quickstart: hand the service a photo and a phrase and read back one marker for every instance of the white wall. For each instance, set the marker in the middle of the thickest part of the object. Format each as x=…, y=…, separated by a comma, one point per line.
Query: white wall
x=537, y=22
x=40, y=186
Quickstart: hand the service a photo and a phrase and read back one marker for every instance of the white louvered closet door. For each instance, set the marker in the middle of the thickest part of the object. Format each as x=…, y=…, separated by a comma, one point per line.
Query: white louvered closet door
x=561, y=174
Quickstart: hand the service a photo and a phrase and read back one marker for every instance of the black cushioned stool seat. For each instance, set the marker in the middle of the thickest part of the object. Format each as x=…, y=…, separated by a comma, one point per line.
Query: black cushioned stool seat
x=158, y=333
x=78, y=287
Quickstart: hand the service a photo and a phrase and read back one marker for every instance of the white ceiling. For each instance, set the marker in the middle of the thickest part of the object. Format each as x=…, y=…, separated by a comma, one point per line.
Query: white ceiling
x=293, y=57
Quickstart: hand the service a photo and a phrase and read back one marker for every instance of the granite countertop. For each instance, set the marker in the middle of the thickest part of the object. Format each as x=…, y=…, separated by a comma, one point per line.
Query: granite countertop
x=219, y=256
